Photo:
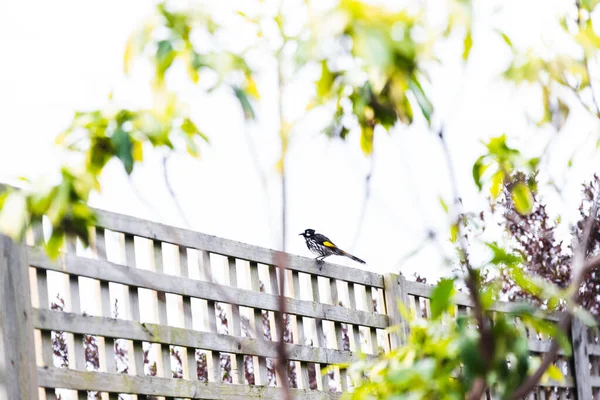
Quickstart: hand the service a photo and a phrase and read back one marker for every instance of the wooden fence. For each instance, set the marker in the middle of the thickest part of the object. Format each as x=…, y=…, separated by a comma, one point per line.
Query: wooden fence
x=178, y=314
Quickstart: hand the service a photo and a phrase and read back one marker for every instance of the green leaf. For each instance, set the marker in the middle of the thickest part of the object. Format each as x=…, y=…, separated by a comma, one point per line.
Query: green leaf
x=533, y=163
x=497, y=182
x=325, y=83
x=165, y=55
x=245, y=103
x=55, y=243
x=554, y=373
x=501, y=256
x=454, y=231
x=123, y=149
x=522, y=197
x=506, y=39
x=478, y=170
x=422, y=100
x=589, y=5
x=468, y=44
x=366, y=139
x=444, y=205
x=440, y=297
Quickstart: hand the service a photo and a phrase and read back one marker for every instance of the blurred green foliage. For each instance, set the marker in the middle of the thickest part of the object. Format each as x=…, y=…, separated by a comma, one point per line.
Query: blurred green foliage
x=442, y=355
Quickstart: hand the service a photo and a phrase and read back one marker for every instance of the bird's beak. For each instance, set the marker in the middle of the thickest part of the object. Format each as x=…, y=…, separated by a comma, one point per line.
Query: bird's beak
x=301, y=234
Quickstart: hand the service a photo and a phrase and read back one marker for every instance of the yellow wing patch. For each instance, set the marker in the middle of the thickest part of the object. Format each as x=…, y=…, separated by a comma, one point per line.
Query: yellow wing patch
x=329, y=244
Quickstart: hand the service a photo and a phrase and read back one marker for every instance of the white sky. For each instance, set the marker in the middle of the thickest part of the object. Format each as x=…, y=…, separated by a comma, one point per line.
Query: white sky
x=66, y=55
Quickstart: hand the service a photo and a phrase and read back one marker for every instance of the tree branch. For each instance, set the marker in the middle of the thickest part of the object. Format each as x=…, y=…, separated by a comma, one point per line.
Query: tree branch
x=363, y=212
x=282, y=357
x=486, y=344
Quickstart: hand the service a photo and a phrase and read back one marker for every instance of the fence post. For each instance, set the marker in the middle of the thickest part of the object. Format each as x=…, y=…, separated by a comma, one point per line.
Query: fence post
x=581, y=359
x=18, y=371
x=395, y=292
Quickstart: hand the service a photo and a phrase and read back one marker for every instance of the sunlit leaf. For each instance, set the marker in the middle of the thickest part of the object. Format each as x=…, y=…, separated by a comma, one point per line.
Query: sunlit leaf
x=137, y=151
x=467, y=45
x=522, y=198
x=506, y=39
x=501, y=256
x=130, y=53
x=366, y=139
x=165, y=55
x=497, y=182
x=454, y=231
x=554, y=373
x=251, y=87
x=443, y=204
x=325, y=82
x=440, y=297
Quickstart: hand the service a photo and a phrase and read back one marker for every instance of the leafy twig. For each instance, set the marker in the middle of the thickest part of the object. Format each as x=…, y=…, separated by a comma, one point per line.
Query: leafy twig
x=579, y=272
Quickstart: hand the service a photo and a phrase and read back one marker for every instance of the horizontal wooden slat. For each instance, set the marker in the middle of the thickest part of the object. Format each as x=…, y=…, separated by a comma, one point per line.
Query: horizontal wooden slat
x=214, y=244
x=462, y=299
x=147, y=332
x=595, y=380
x=111, y=272
x=541, y=346
x=593, y=349
x=153, y=386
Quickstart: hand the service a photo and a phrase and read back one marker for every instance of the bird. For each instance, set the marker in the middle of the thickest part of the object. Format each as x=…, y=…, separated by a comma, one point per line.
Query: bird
x=323, y=247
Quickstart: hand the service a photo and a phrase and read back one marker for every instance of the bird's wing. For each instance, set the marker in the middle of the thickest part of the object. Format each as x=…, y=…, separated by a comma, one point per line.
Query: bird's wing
x=324, y=240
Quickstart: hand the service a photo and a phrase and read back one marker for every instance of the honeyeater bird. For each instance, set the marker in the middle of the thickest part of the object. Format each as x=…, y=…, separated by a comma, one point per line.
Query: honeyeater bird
x=323, y=247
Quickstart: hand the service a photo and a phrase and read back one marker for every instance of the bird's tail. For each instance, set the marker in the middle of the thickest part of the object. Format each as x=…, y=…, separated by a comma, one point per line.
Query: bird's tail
x=352, y=257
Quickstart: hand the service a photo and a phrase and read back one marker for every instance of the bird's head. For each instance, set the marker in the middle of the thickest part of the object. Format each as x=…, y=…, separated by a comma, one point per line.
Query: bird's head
x=308, y=233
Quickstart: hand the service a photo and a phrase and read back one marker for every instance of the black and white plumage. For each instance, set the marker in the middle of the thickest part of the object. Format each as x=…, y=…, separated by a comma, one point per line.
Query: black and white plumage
x=323, y=247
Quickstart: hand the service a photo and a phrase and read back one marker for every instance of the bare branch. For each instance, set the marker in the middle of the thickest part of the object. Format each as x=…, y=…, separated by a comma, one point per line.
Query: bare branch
x=172, y=193
x=282, y=357
x=486, y=344
x=363, y=212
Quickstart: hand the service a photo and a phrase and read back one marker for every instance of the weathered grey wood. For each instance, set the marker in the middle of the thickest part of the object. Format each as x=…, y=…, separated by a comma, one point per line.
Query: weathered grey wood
x=108, y=271
x=395, y=292
x=153, y=386
x=188, y=321
x=301, y=338
x=77, y=358
x=106, y=347
x=260, y=371
x=320, y=340
x=211, y=315
x=593, y=349
x=154, y=333
x=133, y=302
x=462, y=299
x=165, y=351
x=19, y=371
x=371, y=310
x=581, y=359
x=213, y=244
x=355, y=332
x=236, y=327
x=541, y=346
